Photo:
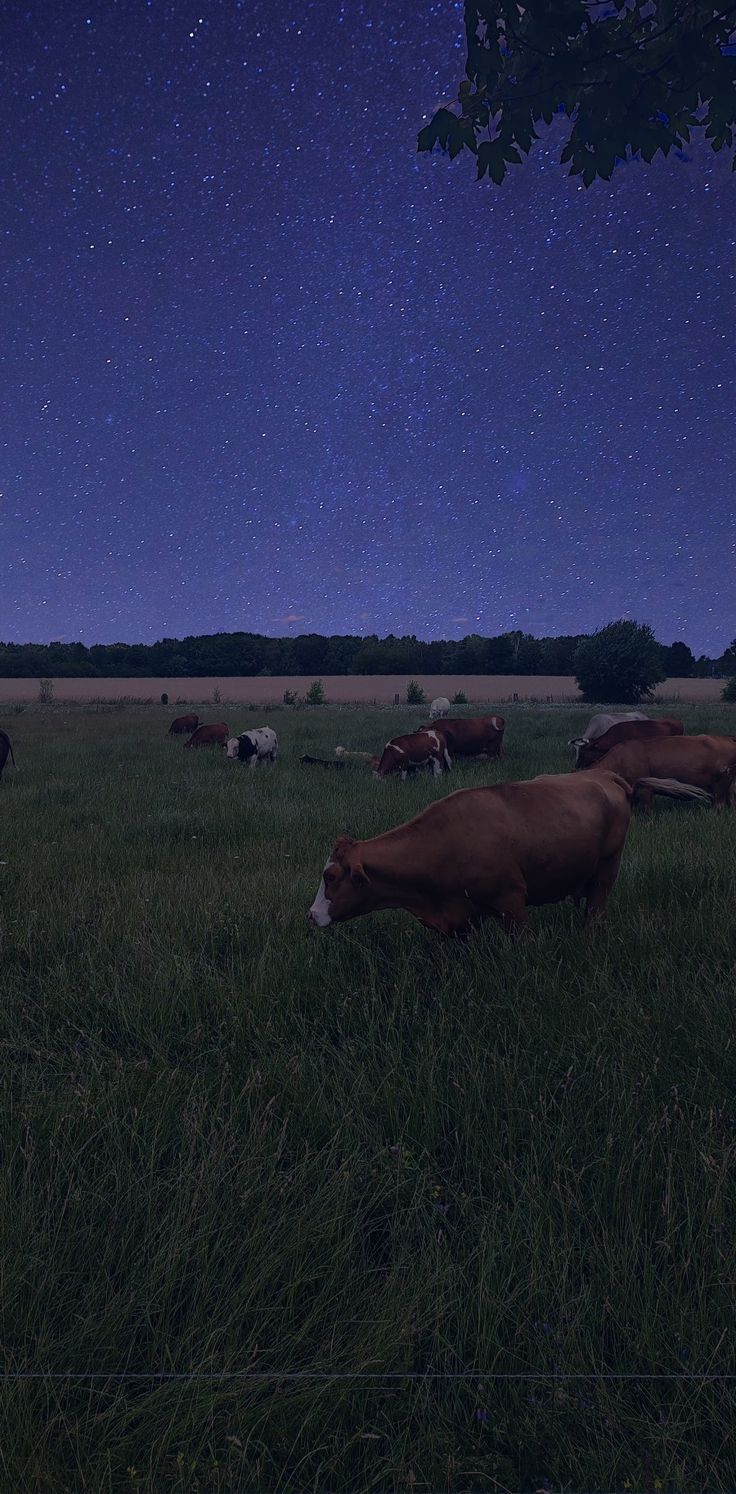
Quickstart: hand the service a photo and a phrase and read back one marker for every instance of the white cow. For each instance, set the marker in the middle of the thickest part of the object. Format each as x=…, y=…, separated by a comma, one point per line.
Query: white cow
x=253, y=746
x=600, y=724
x=439, y=707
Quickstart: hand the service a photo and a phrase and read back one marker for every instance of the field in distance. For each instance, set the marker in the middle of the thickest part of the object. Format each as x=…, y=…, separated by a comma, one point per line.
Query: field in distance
x=342, y=688
x=233, y=1144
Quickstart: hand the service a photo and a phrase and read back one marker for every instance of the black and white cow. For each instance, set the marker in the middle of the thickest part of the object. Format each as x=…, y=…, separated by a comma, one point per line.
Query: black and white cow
x=254, y=746
x=6, y=751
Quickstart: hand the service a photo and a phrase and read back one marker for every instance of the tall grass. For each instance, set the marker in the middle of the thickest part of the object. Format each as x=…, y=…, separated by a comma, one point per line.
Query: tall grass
x=234, y=1146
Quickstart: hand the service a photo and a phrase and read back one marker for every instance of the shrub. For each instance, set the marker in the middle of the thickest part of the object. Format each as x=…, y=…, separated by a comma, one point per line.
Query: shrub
x=291, y=698
x=164, y=698
x=45, y=691
x=729, y=690
x=459, y=699
x=415, y=694
x=316, y=693
x=216, y=695
x=619, y=663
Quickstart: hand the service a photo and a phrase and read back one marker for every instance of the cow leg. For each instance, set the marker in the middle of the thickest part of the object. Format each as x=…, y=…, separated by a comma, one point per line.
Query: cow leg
x=512, y=912
x=644, y=797
x=436, y=767
x=253, y=761
x=722, y=789
x=600, y=887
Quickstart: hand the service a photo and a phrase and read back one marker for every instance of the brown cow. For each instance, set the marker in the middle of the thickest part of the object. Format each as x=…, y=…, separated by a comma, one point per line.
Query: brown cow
x=419, y=749
x=183, y=724
x=208, y=736
x=702, y=767
x=588, y=753
x=472, y=736
x=486, y=852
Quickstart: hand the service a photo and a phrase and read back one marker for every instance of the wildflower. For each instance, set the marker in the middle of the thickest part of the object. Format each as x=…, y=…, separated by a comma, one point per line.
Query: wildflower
x=481, y=1415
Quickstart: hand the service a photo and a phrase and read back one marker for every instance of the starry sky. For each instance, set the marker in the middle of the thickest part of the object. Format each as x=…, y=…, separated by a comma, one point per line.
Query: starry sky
x=265, y=368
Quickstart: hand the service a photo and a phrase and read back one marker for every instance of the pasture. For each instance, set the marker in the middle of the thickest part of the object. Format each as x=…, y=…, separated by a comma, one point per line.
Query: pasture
x=313, y=1192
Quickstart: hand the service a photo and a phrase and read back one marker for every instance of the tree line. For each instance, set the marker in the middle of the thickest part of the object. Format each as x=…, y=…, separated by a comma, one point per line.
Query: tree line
x=312, y=655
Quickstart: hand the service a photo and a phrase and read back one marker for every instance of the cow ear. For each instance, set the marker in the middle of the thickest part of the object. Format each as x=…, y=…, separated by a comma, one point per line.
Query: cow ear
x=358, y=872
x=343, y=844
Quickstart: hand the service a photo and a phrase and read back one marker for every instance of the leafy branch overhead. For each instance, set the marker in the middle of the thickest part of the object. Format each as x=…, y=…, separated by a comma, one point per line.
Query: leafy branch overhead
x=631, y=78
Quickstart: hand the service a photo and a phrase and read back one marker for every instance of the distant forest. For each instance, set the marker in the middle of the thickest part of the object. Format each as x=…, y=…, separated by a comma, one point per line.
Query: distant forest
x=313, y=655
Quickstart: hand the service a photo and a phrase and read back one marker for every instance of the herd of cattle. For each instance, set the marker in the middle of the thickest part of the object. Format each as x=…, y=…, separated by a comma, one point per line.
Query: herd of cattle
x=498, y=850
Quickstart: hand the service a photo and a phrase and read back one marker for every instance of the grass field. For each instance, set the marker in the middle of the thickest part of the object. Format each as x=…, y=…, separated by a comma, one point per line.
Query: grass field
x=232, y=1144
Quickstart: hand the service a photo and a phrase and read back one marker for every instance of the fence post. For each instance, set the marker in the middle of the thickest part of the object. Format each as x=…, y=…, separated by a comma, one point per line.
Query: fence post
x=397, y=700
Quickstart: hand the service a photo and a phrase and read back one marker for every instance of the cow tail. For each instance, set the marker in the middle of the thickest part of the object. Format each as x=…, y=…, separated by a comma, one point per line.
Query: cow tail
x=673, y=789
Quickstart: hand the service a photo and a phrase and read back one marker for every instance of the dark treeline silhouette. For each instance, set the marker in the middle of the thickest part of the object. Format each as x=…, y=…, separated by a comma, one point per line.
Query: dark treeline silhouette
x=313, y=655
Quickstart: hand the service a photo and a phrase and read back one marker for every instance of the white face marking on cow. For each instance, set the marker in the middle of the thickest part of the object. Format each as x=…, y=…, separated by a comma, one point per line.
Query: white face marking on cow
x=231, y=747
x=320, y=909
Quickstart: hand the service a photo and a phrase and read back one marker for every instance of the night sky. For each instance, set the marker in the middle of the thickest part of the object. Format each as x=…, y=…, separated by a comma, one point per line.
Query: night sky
x=265, y=368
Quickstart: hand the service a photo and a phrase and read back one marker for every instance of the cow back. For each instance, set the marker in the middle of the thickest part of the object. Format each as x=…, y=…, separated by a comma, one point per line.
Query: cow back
x=628, y=731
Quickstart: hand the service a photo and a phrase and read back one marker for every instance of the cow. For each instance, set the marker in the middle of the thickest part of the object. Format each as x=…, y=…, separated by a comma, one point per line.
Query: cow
x=209, y=736
x=183, y=724
x=486, y=852
x=702, y=767
x=419, y=749
x=472, y=736
x=254, y=746
x=588, y=752
x=439, y=707
x=6, y=751
x=601, y=723
x=363, y=757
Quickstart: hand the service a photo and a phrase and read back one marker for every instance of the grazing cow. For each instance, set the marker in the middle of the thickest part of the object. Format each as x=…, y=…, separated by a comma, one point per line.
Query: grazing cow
x=702, y=767
x=419, y=749
x=6, y=751
x=209, y=736
x=472, y=736
x=601, y=723
x=254, y=746
x=321, y=762
x=183, y=724
x=588, y=752
x=439, y=707
x=486, y=852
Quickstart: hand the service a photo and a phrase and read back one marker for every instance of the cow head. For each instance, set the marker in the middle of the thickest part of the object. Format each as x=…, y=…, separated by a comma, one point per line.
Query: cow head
x=232, y=746
x=579, y=743
x=345, y=890
x=391, y=760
